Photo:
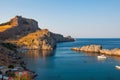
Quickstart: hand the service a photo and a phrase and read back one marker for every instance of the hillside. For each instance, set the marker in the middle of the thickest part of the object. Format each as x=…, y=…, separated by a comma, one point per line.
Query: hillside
x=25, y=33
x=8, y=55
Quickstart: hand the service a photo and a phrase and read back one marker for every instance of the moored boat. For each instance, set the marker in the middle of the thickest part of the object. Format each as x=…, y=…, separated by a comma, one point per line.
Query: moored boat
x=101, y=57
x=118, y=67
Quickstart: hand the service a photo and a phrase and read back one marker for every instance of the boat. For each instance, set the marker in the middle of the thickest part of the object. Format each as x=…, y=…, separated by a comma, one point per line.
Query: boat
x=101, y=57
x=118, y=67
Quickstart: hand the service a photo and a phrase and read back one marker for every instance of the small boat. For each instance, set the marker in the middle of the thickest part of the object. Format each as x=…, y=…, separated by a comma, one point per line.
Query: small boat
x=101, y=57
x=118, y=67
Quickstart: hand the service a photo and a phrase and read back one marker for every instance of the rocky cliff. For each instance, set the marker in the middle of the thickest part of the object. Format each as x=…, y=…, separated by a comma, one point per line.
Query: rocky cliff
x=26, y=34
x=17, y=27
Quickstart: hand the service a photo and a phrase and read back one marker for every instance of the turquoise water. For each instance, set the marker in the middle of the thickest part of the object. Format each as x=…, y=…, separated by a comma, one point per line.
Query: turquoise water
x=64, y=64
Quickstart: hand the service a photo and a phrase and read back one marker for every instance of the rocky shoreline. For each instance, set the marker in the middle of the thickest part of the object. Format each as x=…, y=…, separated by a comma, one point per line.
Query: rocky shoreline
x=97, y=49
x=9, y=56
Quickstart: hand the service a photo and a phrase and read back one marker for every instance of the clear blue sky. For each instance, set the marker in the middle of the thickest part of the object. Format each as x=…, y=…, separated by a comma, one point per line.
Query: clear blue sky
x=78, y=18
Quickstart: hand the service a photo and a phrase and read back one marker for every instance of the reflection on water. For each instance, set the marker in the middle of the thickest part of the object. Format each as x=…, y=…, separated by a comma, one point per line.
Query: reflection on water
x=88, y=53
x=39, y=53
x=39, y=61
x=91, y=54
x=117, y=58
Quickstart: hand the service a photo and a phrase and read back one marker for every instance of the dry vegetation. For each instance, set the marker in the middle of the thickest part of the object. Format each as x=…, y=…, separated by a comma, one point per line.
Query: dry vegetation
x=5, y=27
x=32, y=38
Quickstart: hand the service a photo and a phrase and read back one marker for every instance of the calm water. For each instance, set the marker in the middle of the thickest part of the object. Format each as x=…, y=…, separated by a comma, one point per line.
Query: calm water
x=64, y=64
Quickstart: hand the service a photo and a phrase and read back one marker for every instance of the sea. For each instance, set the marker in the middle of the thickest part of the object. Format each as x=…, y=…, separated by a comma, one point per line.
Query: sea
x=65, y=64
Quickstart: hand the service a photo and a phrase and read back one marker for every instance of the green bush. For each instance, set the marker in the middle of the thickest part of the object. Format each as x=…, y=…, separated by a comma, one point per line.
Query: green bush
x=9, y=46
x=10, y=73
x=0, y=72
x=11, y=66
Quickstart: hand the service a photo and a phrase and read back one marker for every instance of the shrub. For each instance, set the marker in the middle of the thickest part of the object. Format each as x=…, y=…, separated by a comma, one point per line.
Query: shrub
x=11, y=66
x=10, y=74
x=9, y=46
x=0, y=72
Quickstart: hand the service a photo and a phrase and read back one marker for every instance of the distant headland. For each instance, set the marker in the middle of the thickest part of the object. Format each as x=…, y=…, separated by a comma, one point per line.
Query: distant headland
x=25, y=33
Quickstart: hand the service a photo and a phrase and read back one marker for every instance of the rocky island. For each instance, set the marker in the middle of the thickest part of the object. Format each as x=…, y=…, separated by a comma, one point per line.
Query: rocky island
x=97, y=49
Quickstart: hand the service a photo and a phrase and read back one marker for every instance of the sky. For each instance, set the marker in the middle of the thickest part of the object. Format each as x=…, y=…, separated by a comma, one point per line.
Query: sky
x=78, y=18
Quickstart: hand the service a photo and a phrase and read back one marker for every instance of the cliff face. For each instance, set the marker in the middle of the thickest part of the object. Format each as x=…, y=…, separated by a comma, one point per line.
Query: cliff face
x=40, y=39
x=26, y=34
x=17, y=27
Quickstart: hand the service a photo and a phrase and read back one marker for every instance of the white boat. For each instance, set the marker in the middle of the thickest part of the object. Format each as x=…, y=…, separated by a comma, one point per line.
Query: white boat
x=118, y=67
x=101, y=57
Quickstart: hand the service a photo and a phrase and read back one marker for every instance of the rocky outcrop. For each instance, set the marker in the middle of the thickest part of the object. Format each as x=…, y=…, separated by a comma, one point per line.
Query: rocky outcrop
x=89, y=48
x=115, y=52
x=17, y=28
x=61, y=38
x=98, y=49
x=26, y=34
x=41, y=39
x=38, y=40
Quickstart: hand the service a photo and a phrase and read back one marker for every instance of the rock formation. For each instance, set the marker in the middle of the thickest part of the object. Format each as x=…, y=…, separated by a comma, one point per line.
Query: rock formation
x=17, y=28
x=98, y=49
x=89, y=48
x=26, y=34
x=38, y=40
x=115, y=52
